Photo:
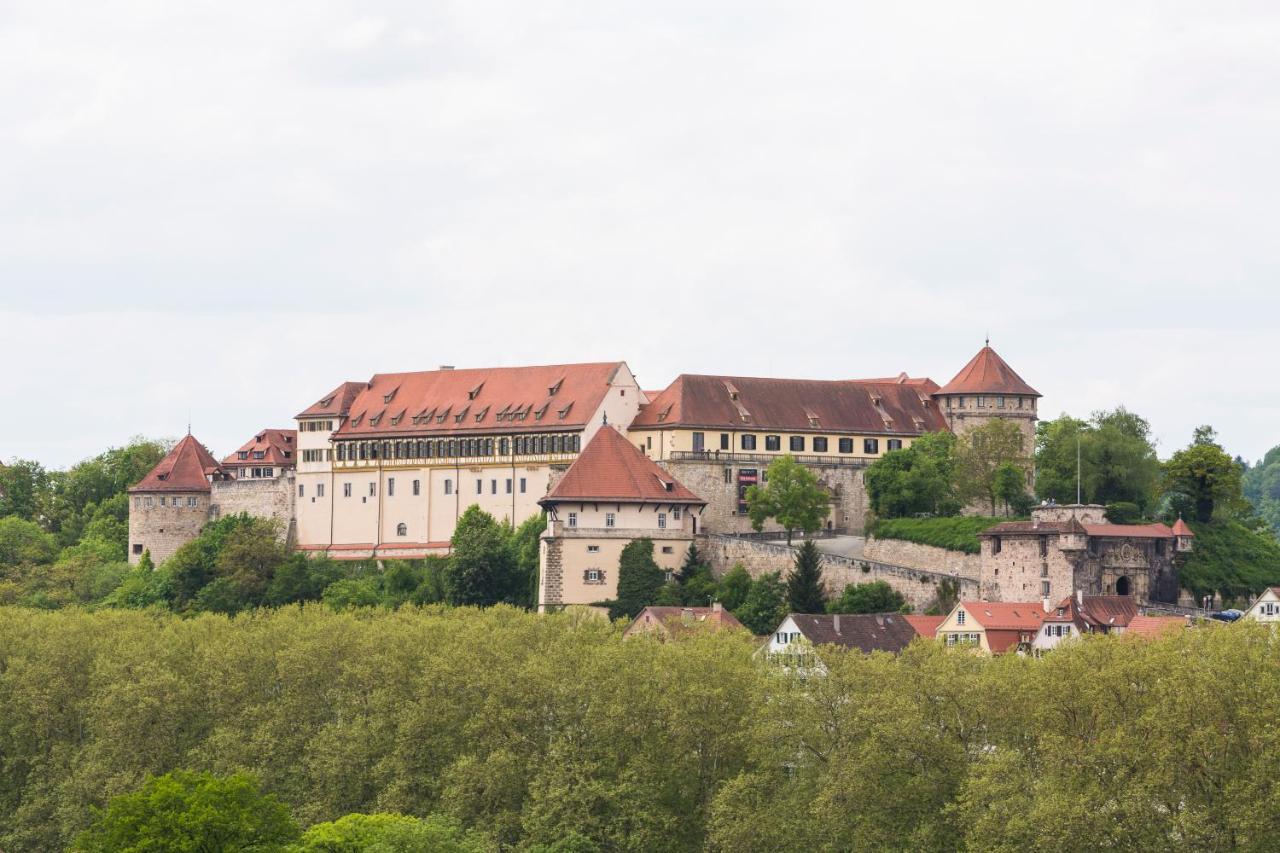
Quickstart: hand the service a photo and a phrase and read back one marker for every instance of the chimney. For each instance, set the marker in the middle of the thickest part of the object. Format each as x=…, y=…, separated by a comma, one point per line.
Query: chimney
x=1047, y=604
x=716, y=607
x=446, y=367
x=836, y=622
x=1080, y=597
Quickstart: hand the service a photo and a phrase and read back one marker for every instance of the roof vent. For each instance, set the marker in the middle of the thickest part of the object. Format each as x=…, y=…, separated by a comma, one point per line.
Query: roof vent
x=446, y=367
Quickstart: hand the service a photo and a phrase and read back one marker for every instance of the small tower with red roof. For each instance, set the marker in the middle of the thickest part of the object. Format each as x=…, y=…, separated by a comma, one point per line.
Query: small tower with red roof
x=1183, y=537
x=985, y=389
x=170, y=505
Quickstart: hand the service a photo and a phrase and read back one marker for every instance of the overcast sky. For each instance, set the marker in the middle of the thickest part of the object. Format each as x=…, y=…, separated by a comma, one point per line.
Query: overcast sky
x=222, y=210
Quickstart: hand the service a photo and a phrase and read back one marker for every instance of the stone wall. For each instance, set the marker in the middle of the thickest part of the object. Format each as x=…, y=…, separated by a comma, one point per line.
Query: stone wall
x=918, y=587
x=273, y=498
x=551, y=566
x=898, y=552
x=162, y=530
x=708, y=480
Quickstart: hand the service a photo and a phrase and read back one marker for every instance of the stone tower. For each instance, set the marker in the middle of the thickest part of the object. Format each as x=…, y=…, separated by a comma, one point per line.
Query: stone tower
x=171, y=504
x=985, y=389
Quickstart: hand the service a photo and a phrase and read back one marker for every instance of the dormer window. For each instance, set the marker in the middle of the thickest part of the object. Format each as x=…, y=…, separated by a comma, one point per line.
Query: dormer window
x=258, y=454
x=480, y=414
x=537, y=416
x=733, y=391
x=390, y=395
x=355, y=422
x=243, y=454
x=565, y=411
x=326, y=402
x=551, y=392
x=474, y=392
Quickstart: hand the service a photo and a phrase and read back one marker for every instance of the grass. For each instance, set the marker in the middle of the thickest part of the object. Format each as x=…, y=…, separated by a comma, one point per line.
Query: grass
x=957, y=533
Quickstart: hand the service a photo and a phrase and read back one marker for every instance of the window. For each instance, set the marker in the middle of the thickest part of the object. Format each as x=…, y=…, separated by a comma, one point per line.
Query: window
x=448, y=487
x=373, y=489
x=301, y=490
x=982, y=402
x=820, y=444
x=479, y=487
x=242, y=454
x=320, y=490
x=895, y=444
x=573, y=519
x=609, y=519
x=137, y=548
x=402, y=529
x=391, y=487
x=191, y=502
x=748, y=442
x=259, y=454
x=797, y=443
x=662, y=521
x=728, y=475
x=593, y=576
x=871, y=445
x=667, y=549
x=417, y=488
x=675, y=513
x=346, y=490
x=699, y=442
x=846, y=445
x=593, y=549
x=522, y=485
x=508, y=485
x=493, y=487
x=959, y=617
x=772, y=442
x=1044, y=588
x=724, y=441
x=999, y=402
x=163, y=500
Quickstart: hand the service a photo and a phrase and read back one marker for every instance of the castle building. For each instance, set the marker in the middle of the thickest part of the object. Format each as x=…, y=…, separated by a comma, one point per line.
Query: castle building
x=985, y=389
x=169, y=506
x=389, y=465
x=718, y=434
x=1069, y=548
x=189, y=488
x=611, y=495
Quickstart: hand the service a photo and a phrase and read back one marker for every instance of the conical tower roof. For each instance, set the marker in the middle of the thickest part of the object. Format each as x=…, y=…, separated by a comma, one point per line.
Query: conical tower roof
x=610, y=468
x=186, y=469
x=987, y=373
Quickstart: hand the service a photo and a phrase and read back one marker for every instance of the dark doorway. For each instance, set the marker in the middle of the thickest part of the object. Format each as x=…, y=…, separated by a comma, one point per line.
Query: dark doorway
x=1122, y=586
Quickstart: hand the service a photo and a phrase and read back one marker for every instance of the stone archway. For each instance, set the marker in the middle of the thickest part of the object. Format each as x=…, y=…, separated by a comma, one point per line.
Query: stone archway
x=1124, y=586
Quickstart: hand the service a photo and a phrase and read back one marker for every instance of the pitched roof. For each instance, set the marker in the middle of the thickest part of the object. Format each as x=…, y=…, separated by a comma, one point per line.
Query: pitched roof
x=926, y=626
x=675, y=620
x=1181, y=528
x=278, y=447
x=987, y=373
x=336, y=403
x=793, y=405
x=867, y=632
x=186, y=468
x=1152, y=626
x=610, y=468
x=486, y=400
x=1006, y=615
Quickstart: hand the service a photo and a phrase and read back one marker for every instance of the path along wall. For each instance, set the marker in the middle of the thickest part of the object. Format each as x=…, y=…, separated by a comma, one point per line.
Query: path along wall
x=899, y=552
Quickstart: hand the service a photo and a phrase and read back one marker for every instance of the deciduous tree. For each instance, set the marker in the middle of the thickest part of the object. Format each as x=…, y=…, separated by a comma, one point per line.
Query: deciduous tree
x=792, y=496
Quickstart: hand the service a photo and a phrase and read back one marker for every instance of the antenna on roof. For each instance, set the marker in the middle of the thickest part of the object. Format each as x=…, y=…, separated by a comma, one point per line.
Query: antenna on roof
x=188, y=422
x=606, y=419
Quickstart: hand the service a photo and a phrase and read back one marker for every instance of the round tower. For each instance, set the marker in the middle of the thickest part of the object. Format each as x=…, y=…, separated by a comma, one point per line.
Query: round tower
x=985, y=389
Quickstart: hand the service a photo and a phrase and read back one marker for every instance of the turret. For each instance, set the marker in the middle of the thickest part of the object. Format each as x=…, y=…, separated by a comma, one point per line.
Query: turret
x=1073, y=537
x=1183, y=537
x=986, y=388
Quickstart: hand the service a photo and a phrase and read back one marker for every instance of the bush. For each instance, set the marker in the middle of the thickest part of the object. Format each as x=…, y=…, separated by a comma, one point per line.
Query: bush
x=958, y=533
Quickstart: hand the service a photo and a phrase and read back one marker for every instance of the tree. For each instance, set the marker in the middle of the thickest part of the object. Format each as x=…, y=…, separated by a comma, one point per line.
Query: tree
x=946, y=597
x=805, y=593
x=919, y=480
x=791, y=495
x=391, y=833
x=1202, y=478
x=1117, y=459
x=482, y=568
x=982, y=452
x=525, y=544
x=24, y=543
x=872, y=597
x=1009, y=485
x=765, y=606
x=191, y=811
x=23, y=487
x=639, y=579
x=734, y=587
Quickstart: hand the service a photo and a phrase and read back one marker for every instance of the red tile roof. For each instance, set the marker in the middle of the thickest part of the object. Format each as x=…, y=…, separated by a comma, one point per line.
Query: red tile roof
x=487, y=400
x=186, y=468
x=1152, y=626
x=926, y=626
x=336, y=403
x=676, y=620
x=1181, y=528
x=273, y=444
x=987, y=373
x=1006, y=615
x=610, y=468
x=1123, y=531
x=1130, y=531
x=794, y=405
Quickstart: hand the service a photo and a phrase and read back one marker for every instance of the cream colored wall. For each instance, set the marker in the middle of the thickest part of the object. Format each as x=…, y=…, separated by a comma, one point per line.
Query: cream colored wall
x=577, y=558
x=313, y=511
x=629, y=517
x=660, y=444
x=952, y=625
x=621, y=403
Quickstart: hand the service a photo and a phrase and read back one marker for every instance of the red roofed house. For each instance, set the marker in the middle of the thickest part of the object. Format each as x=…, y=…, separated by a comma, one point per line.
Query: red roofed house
x=168, y=507
x=611, y=495
x=995, y=627
x=672, y=622
x=387, y=466
x=269, y=454
x=1069, y=548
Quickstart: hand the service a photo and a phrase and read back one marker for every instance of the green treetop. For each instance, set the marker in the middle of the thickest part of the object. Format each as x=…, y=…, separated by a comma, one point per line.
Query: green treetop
x=791, y=496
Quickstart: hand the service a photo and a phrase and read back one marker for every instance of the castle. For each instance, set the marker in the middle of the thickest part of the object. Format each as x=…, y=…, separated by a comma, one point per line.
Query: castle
x=385, y=467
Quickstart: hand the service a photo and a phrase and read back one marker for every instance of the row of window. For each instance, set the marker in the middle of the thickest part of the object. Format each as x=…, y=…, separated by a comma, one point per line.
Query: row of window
x=611, y=520
x=993, y=402
x=416, y=488
x=141, y=501
x=797, y=443
x=1058, y=630
x=448, y=448
x=316, y=426
x=963, y=639
x=323, y=454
